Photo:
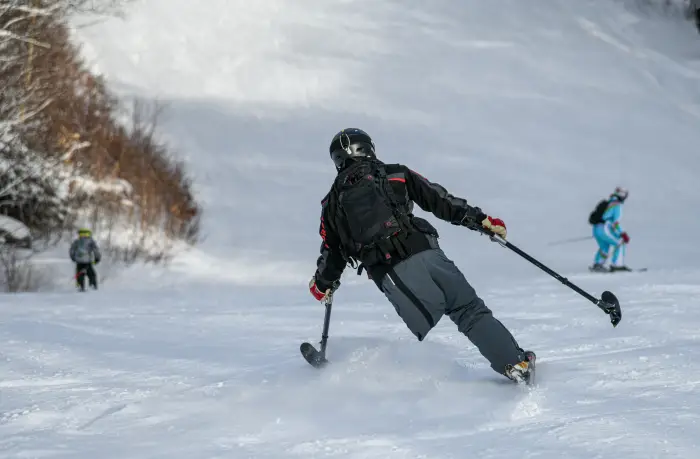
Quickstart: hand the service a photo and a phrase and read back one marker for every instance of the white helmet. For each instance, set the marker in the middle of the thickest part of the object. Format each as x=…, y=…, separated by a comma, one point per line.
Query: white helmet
x=620, y=193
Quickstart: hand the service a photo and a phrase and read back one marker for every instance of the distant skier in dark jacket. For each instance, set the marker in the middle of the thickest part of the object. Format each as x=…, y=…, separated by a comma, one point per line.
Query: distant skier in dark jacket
x=694, y=12
x=84, y=252
x=367, y=218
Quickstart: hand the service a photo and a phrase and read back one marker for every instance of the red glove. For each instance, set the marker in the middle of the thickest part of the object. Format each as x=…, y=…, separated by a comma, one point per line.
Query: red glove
x=316, y=292
x=496, y=225
x=625, y=238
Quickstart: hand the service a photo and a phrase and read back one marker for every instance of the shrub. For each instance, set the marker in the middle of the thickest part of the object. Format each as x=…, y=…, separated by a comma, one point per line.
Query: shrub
x=63, y=152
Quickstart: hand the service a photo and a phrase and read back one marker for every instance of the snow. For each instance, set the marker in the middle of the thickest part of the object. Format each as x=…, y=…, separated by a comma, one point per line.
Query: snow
x=160, y=373
x=13, y=228
x=533, y=112
x=110, y=185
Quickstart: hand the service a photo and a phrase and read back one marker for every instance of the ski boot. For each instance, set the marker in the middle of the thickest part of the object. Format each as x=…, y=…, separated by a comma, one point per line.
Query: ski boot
x=523, y=372
x=598, y=268
x=614, y=269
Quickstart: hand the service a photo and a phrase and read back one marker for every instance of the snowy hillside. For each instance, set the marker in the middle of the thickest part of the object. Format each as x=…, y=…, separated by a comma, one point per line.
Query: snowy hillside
x=531, y=112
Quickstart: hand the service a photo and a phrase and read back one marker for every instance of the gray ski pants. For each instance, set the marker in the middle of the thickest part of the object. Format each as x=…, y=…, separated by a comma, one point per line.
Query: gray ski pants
x=428, y=285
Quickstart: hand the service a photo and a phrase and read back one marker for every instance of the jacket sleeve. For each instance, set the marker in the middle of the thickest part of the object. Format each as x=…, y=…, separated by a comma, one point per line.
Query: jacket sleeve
x=71, y=252
x=435, y=199
x=331, y=264
x=96, y=251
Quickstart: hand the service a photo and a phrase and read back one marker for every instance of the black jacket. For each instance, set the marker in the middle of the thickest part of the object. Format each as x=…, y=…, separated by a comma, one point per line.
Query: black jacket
x=408, y=187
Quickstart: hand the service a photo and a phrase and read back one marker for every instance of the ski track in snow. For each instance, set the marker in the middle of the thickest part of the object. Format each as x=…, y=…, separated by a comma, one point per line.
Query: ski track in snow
x=533, y=111
x=220, y=381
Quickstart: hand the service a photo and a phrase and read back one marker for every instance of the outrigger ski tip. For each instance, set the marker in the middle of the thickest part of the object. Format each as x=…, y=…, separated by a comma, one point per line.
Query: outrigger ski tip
x=611, y=305
x=315, y=358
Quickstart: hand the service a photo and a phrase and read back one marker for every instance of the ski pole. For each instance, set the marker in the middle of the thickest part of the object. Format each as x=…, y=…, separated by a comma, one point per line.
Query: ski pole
x=607, y=302
x=326, y=325
x=569, y=241
x=317, y=358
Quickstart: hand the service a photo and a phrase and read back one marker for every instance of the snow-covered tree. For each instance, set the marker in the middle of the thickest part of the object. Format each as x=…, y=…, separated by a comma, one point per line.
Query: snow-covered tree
x=62, y=147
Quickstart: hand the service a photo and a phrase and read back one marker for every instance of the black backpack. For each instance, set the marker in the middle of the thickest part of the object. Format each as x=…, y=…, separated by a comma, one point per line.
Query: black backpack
x=374, y=223
x=596, y=216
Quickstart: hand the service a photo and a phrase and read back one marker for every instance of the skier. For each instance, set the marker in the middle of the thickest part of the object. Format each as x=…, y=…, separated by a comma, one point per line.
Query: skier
x=694, y=12
x=84, y=252
x=367, y=218
x=608, y=232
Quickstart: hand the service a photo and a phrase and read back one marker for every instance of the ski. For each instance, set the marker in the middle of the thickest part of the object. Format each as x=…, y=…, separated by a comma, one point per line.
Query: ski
x=609, y=271
x=315, y=358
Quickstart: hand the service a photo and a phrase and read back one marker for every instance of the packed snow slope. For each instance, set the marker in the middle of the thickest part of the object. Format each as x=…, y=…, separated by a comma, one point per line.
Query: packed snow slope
x=531, y=111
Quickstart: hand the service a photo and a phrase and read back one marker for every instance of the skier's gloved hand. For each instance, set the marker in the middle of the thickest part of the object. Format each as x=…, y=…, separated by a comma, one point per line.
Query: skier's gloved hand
x=320, y=293
x=495, y=225
x=625, y=238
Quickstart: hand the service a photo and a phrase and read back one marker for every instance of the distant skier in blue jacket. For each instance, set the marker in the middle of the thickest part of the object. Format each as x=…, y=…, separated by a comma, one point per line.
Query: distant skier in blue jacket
x=609, y=234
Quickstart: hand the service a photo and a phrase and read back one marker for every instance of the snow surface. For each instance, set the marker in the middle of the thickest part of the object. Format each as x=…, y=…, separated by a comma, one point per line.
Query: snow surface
x=14, y=228
x=532, y=111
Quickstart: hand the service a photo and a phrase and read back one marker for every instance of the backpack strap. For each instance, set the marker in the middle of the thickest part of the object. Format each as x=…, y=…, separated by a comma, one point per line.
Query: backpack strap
x=394, y=244
x=343, y=234
x=401, y=217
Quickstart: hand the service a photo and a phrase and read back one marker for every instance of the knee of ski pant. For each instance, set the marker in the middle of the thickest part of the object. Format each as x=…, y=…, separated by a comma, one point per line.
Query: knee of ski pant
x=610, y=236
x=466, y=316
x=601, y=239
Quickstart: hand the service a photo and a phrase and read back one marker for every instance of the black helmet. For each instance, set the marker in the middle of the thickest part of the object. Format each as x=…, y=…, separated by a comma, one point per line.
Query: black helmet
x=351, y=144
